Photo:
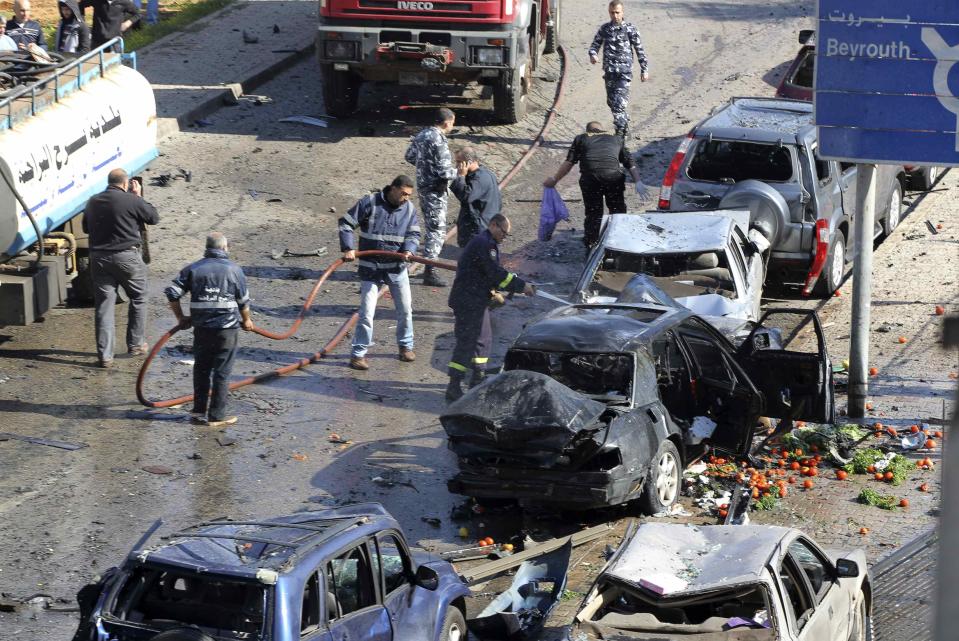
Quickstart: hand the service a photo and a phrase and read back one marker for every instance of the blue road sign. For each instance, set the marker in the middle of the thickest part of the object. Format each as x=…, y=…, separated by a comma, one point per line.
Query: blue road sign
x=887, y=81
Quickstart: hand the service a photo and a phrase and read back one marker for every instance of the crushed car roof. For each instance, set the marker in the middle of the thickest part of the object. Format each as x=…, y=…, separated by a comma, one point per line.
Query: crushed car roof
x=762, y=119
x=705, y=557
x=614, y=327
x=675, y=233
x=242, y=548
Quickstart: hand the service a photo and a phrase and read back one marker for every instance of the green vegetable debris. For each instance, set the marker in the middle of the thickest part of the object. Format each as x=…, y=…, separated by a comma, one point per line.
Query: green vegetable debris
x=883, y=501
x=899, y=465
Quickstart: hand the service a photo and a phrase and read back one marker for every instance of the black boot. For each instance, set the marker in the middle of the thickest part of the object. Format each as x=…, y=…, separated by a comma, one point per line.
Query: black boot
x=455, y=388
x=432, y=278
x=479, y=375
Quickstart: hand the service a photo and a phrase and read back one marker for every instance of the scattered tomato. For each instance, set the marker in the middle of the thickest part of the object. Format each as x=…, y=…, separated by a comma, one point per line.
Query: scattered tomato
x=878, y=426
x=871, y=469
x=723, y=513
x=507, y=547
x=482, y=543
x=888, y=476
x=878, y=476
x=489, y=540
x=807, y=484
x=802, y=424
x=937, y=434
x=837, y=293
x=794, y=466
x=902, y=339
x=755, y=493
x=792, y=480
x=904, y=503
x=841, y=475
x=873, y=371
x=914, y=429
x=782, y=492
x=940, y=310
x=864, y=531
x=930, y=444
x=869, y=406
x=924, y=487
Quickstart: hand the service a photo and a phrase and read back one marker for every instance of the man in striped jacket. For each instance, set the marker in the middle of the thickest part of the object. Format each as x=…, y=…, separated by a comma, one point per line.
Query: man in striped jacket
x=386, y=221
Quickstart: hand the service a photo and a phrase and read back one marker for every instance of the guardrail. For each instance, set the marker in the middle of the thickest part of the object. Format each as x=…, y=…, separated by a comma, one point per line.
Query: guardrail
x=12, y=111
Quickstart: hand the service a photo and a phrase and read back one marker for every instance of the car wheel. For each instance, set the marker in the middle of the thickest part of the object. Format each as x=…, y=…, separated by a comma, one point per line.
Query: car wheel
x=862, y=623
x=894, y=213
x=924, y=179
x=832, y=273
x=454, y=625
x=662, y=485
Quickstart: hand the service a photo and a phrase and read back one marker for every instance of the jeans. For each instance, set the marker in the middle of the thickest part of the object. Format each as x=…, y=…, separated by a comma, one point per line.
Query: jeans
x=400, y=290
x=111, y=270
x=213, y=353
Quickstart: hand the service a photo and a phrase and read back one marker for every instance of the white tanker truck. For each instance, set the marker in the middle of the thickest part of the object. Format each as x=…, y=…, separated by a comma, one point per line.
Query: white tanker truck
x=62, y=130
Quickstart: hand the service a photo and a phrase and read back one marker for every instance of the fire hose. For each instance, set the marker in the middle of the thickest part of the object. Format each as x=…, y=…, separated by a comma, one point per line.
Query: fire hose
x=308, y=303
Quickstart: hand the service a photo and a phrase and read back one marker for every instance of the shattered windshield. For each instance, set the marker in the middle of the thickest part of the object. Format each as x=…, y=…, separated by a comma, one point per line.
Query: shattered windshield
x=162, y=599
x=628, y=610
x=678, y=275
x=600, y=376
x=732, y=162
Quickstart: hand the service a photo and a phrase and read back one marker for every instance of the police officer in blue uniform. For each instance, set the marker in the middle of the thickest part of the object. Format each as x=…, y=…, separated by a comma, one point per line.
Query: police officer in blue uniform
x=219, y=308
x=619, y=40
x=479, y=279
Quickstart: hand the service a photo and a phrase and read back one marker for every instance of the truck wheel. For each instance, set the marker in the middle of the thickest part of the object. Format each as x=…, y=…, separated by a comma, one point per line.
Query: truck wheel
x=832, y=273
x=894, y=213
x=341, y=91
x=509, y=97
x=454, y=626
x=552, y=32
x=662, y=486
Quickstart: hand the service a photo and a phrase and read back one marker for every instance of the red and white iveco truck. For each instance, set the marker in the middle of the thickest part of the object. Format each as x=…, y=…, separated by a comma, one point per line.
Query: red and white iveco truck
x=493, y=42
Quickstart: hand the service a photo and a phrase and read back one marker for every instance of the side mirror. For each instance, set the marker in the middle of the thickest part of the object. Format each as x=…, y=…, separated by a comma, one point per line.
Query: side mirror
x=847, y=568
x=805, y=35
x=428, y=579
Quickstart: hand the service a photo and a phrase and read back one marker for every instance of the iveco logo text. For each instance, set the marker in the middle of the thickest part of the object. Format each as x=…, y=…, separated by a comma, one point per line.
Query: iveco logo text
x=416, y=6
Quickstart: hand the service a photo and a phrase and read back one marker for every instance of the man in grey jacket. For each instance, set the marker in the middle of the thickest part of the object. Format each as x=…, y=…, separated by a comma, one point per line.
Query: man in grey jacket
x=477, y=190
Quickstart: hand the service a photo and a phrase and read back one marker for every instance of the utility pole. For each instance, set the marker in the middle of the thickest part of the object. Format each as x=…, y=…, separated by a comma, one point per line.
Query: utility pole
x=861, y=289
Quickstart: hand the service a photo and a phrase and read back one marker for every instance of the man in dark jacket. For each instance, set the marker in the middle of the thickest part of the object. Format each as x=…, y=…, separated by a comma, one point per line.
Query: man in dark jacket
x=600, y=156
x=477, y=190
x=111, y=18
x=219, y=307
x=73, y=34
x=479, y=279
x=386, y=221
x=22, y=29
x=113, y=219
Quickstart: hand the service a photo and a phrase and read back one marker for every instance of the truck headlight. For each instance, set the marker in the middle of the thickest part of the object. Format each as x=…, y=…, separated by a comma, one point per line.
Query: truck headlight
x=488, y=55
x=340, y=50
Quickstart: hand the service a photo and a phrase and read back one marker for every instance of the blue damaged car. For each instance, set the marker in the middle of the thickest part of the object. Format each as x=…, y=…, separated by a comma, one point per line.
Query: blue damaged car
x=333, y=575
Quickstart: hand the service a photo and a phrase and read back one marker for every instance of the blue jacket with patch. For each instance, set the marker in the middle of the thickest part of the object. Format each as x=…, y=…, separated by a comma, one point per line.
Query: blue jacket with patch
x=478, y=274
x=381, y=226
x=217, y=289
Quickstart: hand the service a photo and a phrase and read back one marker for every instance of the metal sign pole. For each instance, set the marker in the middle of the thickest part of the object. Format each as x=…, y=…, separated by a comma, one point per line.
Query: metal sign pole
x=861, y=289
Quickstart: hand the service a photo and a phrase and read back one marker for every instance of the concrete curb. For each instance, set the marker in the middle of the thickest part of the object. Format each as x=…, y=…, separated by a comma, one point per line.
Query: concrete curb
x=231, y=91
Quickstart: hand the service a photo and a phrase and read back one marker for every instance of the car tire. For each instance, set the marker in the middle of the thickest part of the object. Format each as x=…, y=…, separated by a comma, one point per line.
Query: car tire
x=924, y=179
x=552, y=32
x=182, y=634
x=662, y=485
x=893, y=212
x=454, y=625
x=862, y=622
x=832, y=273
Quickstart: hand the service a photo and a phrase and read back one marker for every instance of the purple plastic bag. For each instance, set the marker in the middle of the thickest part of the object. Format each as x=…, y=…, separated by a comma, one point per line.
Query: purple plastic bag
x=551, y=211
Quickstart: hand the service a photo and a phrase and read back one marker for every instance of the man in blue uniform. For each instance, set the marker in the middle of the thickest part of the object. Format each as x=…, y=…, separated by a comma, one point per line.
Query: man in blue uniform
x=479, y=279
x=429, y=151
x=219, y=308
x=619, y=40
x=386, y=221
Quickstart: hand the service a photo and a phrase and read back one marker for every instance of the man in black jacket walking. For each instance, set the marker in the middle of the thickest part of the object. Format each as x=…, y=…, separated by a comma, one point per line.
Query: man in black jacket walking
x=110, y=18
x=477, y=190
x=113, y=219
x=479, y=279
x=219, y=307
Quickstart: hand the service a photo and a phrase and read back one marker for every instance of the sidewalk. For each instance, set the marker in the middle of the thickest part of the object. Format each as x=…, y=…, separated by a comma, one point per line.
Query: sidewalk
x=193, y=70
x=904, y=588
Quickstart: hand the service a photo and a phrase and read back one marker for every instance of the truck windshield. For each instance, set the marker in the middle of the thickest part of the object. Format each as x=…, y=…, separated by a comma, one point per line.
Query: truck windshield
x=729, y=161
x=162, y=599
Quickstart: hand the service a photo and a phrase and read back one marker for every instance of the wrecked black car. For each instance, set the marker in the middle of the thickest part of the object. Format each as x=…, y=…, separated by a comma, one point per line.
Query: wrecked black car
x=604, y=404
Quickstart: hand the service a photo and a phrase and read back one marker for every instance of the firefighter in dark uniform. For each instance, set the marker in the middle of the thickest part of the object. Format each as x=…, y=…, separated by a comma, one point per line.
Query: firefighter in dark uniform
x=479, y=279
x=601, y=157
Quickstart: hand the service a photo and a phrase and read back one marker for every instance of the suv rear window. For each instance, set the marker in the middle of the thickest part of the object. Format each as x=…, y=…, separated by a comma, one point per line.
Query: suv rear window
x=162, y=599
x=733, y=162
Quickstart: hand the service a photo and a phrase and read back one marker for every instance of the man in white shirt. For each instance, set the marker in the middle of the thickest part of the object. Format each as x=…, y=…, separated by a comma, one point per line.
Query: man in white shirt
x=6, y=42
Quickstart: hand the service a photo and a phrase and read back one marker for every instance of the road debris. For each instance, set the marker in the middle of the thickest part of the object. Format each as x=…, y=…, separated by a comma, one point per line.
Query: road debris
x=157, y=469
x=63, y=445
x=288, y=253
x=306, y=120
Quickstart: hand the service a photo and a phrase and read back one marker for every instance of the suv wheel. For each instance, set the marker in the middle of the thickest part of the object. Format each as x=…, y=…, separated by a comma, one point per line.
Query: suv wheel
x=663, y=483
x=832, y=273
x=924, y=179
x=894, y=213
x=454, y=625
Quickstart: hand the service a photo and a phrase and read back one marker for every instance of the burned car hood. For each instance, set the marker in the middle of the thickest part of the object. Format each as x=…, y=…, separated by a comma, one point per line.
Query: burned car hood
x=522, y=413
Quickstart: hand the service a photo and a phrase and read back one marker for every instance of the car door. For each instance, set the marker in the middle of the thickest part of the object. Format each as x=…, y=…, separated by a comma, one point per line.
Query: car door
x=395, y=571
x=785, y=357
x=847, y=185
x=752, y=270
x=351, y=598
x=827, y=612
x=720, y=389
x=312, y=624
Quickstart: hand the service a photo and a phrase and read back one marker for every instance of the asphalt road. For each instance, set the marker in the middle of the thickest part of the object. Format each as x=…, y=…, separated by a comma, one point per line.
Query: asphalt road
x=270, y=186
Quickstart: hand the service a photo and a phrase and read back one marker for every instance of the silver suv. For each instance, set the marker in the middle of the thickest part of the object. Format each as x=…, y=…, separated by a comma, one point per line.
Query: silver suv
x=761, y=154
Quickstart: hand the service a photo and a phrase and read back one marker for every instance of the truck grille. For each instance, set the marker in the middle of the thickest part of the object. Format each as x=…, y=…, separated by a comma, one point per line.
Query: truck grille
x=391, y=8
